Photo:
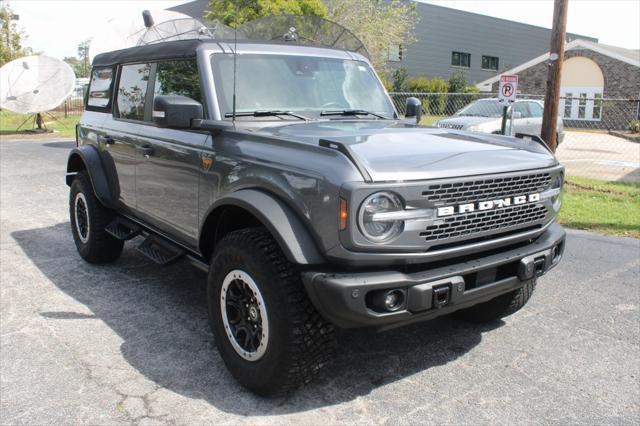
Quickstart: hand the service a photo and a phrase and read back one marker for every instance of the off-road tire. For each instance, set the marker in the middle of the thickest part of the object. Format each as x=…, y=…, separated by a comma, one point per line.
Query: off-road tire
x=300, y=340
x=499, y=307
x=98, y=245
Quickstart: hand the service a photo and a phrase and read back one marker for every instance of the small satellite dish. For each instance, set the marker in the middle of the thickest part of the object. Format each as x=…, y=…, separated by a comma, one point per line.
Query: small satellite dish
x=35, y=84
x=125, y=31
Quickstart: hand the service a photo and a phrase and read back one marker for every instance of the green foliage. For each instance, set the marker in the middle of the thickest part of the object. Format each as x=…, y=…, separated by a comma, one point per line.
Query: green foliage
x=379, y=24
x=457, y=82
x=236, y=12
x=386, y=82
x=11, y=38
x=634, y=126
x=434, y=105
x=400, y=77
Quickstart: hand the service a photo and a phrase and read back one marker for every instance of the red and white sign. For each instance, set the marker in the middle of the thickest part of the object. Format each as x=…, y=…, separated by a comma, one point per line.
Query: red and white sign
x=508, y=88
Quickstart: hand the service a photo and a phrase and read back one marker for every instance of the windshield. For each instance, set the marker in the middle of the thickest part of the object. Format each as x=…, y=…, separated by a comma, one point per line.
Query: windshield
x=302, y=84
x=488, y=108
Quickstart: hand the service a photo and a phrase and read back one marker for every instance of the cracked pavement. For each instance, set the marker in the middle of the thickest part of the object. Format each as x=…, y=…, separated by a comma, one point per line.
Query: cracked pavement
x=129, y=343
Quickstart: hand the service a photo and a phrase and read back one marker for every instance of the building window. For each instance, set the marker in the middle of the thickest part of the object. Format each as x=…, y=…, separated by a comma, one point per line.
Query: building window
x=459, y=59
x=490, y=63
x=582, y=105
x=597, y=106
x=395, y=53
x=568, y=101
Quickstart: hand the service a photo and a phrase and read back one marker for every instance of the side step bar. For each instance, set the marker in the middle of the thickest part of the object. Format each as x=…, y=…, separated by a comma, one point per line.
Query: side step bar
x=123, y=229
x=160, y=251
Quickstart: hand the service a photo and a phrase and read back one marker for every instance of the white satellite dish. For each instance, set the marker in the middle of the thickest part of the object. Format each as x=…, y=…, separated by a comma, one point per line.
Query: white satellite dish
x=35, y=84
x=126, y=30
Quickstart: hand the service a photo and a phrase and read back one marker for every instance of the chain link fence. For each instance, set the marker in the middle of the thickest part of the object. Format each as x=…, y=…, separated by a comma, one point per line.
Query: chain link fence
x=599, y=137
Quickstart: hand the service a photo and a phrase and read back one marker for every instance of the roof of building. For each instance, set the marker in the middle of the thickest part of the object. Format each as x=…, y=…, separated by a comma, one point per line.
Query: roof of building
x=621, y=54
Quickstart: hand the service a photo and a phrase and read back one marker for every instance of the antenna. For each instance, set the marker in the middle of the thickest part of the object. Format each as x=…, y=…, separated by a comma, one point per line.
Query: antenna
x=235, y=56
x=147, y=18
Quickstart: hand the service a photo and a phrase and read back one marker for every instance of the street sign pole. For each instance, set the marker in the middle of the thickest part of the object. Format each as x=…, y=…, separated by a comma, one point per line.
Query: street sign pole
x=507, y=96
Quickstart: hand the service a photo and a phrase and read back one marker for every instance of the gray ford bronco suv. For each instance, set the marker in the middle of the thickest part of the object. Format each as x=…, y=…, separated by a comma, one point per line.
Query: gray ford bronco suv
x=310, y=202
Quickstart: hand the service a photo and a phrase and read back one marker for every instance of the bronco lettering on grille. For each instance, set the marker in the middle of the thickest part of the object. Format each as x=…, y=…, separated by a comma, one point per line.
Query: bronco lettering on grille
x=488, y=205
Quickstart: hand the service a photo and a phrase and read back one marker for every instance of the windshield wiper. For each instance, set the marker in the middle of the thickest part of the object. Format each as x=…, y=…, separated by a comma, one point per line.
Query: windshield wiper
x=352, y=112
x=266, y=113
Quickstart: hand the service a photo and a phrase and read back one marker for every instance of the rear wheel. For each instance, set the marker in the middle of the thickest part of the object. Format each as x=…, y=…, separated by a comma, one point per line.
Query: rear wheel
x=499, y=307
x=268, y=333
x=88, y=220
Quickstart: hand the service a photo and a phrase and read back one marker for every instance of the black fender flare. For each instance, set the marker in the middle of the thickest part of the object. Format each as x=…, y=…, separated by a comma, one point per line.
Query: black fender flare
x=87, y=157
x=283, y=223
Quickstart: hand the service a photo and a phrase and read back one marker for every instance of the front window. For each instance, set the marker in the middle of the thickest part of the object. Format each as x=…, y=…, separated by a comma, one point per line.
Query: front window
x=301, y=84
x=489, y=108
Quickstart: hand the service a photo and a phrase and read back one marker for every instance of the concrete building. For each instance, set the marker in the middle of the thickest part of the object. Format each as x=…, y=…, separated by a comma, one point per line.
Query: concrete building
x=450, y=40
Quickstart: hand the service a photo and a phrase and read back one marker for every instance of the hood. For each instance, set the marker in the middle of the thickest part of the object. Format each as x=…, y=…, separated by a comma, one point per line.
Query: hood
x=465, y=121
x=395, y=151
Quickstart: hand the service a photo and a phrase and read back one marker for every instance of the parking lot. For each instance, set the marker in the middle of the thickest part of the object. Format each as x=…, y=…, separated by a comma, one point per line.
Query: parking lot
x=129, y=342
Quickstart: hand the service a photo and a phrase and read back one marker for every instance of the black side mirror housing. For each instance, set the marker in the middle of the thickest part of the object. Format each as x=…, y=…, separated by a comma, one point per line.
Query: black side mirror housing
x=414, y=109
x=176, y=112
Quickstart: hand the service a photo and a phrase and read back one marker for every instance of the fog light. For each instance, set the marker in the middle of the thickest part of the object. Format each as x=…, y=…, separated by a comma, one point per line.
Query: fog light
x=387, y=300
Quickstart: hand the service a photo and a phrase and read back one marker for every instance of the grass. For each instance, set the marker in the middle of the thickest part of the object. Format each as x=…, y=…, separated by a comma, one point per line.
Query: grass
x=429, y=120
x=9, y=122
x=611, y=208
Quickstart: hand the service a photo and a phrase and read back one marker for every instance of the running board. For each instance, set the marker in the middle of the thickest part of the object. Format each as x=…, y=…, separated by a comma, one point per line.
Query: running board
x=123, y=229
x=160, y=251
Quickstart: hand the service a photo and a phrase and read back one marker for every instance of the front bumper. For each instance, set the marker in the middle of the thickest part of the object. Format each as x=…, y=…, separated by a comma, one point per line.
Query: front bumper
x=343, y=297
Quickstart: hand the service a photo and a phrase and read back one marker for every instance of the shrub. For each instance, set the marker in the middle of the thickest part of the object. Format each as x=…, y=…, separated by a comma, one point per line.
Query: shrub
x=400, y=77
x=634, y=126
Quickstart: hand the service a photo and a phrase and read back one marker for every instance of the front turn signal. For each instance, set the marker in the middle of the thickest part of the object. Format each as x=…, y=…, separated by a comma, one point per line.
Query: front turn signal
x=343, y=214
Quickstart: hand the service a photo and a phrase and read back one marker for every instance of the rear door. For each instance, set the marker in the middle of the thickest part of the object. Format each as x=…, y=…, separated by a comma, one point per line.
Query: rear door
x=170, y=164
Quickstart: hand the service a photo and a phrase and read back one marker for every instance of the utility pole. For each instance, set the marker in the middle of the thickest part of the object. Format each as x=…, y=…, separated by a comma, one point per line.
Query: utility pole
x=556, y=58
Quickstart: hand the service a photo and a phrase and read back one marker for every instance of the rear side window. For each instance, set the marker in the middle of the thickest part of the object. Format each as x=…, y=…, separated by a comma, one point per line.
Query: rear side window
x=179, y=77
x=99, y=95
x=132, y=91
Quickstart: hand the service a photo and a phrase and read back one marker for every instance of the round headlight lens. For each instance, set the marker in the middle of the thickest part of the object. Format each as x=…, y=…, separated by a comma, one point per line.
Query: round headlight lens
x=378, y=231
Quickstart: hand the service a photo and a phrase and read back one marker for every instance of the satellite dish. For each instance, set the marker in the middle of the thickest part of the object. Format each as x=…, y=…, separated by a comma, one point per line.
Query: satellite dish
x=35, y=84
x=125, y=31
x=307, y=30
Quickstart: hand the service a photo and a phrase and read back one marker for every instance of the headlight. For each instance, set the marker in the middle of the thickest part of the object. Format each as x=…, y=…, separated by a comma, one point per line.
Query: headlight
x=557, y=186
x=371, y=217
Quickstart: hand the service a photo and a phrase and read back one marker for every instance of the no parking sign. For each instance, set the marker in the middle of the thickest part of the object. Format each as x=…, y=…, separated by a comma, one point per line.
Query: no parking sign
x=508, y=88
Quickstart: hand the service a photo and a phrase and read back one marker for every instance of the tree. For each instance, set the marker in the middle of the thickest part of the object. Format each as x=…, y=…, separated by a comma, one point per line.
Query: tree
x=380, y=24
x=83, y=55
x=236, y=12
x=11, y=46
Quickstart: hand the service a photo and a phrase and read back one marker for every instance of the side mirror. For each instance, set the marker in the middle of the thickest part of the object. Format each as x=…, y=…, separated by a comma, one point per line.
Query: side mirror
x=176, y=112
x=414, y=109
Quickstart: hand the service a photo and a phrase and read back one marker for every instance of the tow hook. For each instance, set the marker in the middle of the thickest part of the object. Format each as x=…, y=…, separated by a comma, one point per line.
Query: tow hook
x=441, y=296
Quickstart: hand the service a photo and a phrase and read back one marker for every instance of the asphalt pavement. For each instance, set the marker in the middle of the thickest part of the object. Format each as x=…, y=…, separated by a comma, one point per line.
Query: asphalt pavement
x=129, y=343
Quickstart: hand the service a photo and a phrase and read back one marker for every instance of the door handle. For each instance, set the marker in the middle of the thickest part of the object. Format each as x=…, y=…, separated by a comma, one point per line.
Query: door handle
x=106, y=139
x=146, y=150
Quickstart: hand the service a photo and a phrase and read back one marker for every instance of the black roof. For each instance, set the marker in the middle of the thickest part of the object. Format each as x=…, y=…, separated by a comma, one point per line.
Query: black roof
x=150, y=52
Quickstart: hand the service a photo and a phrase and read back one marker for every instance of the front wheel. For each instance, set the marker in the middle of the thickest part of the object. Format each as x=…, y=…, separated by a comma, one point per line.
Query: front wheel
x=88, y=220
x=499, y=307
x=268, y=333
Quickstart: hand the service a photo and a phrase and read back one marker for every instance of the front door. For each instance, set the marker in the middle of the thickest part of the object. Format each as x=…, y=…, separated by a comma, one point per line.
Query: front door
x=170, y=161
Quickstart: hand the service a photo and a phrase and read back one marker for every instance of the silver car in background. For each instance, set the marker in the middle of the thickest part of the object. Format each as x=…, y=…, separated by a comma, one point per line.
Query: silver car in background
x=485, y=115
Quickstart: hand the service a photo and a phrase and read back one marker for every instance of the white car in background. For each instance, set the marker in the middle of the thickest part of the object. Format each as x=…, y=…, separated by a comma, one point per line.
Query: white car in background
x=485, y=115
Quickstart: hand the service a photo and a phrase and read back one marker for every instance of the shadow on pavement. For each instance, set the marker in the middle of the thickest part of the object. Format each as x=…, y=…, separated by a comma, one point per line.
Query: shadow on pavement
x=160, y=314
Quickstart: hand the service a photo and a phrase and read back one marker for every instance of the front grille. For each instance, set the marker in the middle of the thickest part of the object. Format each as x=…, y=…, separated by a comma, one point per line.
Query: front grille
x=486, y=189
x=474, y=223
x=451, y=126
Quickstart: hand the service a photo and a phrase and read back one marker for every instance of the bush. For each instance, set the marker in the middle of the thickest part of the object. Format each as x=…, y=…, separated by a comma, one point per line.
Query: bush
x=457, y=82
x=634, y=126
x=400, y=77
x=434, y=105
